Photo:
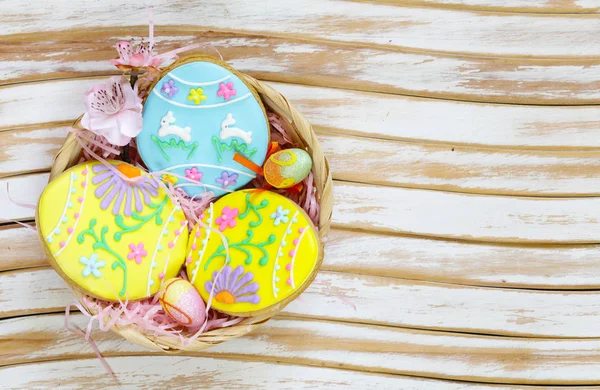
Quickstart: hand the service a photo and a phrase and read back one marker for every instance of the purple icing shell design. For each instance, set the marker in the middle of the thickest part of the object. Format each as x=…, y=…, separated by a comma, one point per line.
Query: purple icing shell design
x=233, y=286
x=113, y=188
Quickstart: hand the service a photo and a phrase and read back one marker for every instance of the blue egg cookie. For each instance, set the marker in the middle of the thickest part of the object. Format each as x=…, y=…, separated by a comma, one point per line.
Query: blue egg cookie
x=196, y=118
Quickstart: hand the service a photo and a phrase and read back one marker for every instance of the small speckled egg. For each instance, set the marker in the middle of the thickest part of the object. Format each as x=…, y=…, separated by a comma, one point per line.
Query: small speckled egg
x=287, y=168
x=182, y=303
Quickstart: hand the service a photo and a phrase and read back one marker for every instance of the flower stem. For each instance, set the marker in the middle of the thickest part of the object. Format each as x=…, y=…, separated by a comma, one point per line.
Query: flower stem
x=125, y=153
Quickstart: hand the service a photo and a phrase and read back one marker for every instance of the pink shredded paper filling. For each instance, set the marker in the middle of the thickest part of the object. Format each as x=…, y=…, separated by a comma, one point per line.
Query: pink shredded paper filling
x=147, y=315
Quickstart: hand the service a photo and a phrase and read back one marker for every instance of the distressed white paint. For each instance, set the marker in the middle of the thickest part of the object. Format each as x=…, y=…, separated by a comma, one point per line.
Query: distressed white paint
x=569, y=267
x=422, y=28
x=565, y=81
x=463, y=169
x=368, y=299
x=359, y=347
x=208, y=373
x=420, y=212
x=558, y=6
x=22, y=189
x=377, y=115
x=469, y=217
x=549, y=267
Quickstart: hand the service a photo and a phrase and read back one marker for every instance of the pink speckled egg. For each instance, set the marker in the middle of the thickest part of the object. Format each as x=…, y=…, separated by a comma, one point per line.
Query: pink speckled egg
x=182, y=303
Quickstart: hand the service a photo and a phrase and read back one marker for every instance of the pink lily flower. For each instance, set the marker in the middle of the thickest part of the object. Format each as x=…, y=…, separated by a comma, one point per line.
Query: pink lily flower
x=113, y=110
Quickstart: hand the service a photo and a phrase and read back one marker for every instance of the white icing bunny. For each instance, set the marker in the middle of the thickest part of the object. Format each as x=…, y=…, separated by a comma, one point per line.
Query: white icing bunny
x=166, y=128
x=228, y=132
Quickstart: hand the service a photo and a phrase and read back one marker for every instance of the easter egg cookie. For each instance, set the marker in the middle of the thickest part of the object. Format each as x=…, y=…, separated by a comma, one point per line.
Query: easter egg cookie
x=109, y=237
x=274, y=252
x=197, y=116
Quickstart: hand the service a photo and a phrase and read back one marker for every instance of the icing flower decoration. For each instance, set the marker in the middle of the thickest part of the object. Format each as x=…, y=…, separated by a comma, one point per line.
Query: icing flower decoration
x=92, y=265
x=226, y=90
x=169, y=88
x=193, y=174
x=113, y=110
x=167, y=178
x=196, y=95
x=110, y=186
x=227, y=218
x=232, y=287
x=137, y=252
x=227, y=179
x=280, y=215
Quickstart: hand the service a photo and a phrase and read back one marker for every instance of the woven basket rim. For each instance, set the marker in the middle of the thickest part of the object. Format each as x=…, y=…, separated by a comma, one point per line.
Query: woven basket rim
x=302, y=133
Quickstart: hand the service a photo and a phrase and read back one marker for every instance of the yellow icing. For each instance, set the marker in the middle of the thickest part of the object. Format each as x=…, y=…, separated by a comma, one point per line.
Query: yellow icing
x=277, y=240
x=142, y=280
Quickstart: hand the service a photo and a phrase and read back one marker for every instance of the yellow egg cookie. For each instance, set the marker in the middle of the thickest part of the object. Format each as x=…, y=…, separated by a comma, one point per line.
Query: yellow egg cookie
x=108, y=237
x=274, y=252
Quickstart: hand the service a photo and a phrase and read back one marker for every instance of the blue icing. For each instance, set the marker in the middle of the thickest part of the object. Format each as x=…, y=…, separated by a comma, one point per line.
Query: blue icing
x=191, y=135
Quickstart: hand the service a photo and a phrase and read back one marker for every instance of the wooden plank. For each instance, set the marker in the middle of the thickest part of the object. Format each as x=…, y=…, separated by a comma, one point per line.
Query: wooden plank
x=377, y=300
x=184, y=372
x=428, y=213
x=23, y=189
x=547, y=267
x=34, y=339
x=466, y=217
x=353, y=22
x=526, y=6
x=380, y=116
x=507, y=80
x=20, y=248
x=462, y=169
x=451, y=168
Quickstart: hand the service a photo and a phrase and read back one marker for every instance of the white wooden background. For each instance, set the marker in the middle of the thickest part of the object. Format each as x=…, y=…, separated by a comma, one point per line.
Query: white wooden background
x=464, y=140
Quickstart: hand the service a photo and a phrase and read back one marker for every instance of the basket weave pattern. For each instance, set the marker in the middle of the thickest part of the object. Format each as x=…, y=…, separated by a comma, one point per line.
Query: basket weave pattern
x=302, y=133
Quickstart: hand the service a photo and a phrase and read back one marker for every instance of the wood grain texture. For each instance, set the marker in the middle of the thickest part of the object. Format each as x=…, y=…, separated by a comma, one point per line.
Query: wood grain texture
x=428, y=213
x=352, y=22
x=320, y=343
x=379, y=116
x=519, y=6
x=464, y=253
x=369, y=299
x=208, y=373
x=568, y=267
x=432, y=166
x=505, y=80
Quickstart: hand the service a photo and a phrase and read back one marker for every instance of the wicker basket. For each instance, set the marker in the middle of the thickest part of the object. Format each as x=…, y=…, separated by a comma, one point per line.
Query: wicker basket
x=303, y=134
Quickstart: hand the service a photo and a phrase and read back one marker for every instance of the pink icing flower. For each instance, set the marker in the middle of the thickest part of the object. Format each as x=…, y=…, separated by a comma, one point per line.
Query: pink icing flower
x=141, y=56
x=226, y=90
x=193, y=174
x=137, y=252
x=113, y=110
x=227, y=218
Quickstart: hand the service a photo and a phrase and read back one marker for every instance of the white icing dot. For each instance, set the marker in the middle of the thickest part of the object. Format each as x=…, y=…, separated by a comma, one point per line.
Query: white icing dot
x=154, y=264
x=165, y=232
x=283, y=243
x=151, y=282
x=277, y=267
x=280, y=254
x=193, y=272
x=49, y=239
x=276, y=280
x=204, y=241
x=289, y=231
x=198, y=263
